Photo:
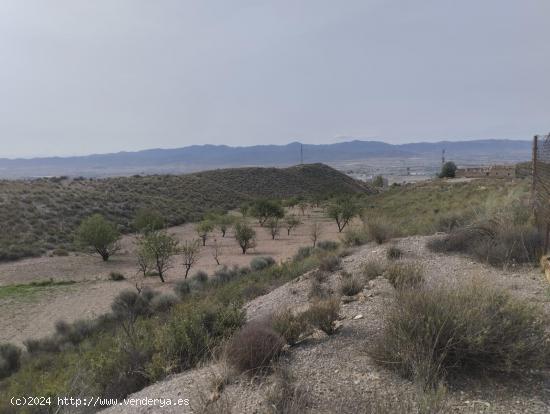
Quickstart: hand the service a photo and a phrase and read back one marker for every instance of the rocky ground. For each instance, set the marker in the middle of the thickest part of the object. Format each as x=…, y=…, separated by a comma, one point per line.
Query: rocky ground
x=336, y=373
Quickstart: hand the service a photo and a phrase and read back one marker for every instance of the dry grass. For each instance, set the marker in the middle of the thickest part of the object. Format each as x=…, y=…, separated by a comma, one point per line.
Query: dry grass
x=470, y=328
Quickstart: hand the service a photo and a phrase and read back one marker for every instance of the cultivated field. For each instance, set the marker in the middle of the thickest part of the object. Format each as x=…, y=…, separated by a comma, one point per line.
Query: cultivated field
x=32, y=313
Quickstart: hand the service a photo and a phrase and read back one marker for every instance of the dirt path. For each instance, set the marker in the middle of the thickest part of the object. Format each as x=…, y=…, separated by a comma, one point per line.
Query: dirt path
x=35, y=316
x=337, y=372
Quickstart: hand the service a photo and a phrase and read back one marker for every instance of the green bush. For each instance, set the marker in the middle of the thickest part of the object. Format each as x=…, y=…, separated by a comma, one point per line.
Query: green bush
x=303, y=253
x=260, y=263
x=116, y=276
x=468, y=329
x=163, y=302
x=254, y=347
x=405, y=275
x=327, y=245
x=182, y=288
x=10, y=359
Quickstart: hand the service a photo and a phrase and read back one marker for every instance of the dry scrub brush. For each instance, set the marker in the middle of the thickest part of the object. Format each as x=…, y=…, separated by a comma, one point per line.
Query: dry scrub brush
x=469, y=328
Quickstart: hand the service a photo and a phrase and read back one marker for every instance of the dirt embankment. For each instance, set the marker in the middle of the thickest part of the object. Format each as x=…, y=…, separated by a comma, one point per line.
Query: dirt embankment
x=337, y=372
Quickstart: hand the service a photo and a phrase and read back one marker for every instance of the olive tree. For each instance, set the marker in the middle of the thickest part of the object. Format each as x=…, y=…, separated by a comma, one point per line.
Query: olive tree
x=263, y=210
x=291, y=222
x=224, y=222
x=273, y=227
x=203, y=229
x=245, y=236
x=342, y=211
x=156, y=250
x=101, y=236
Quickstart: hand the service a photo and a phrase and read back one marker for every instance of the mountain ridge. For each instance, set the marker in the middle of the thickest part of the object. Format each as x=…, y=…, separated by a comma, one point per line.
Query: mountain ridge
x=201, y=157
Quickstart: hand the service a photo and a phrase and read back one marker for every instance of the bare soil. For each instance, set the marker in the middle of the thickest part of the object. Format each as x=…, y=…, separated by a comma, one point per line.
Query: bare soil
x=337, y=371
x=34, y=316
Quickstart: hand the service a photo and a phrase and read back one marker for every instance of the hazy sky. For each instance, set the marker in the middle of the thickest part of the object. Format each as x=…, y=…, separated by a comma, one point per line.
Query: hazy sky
x=88, y=76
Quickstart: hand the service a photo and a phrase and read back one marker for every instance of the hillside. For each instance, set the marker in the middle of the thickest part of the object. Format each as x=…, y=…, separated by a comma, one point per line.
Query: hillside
x=42, y=214
x=202, y=157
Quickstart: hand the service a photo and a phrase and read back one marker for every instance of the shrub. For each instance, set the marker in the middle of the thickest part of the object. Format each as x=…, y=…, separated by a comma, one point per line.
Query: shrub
x=355, y=236
x=201, y=277
x=351, y=285
x=254, y=347
x=182, y=288
x=163, y=302
x=260, y=263
x=116, y=276
x=317, y=290
x=330, y=263
x=289, y=326
x=285, y=396
x=373, y=268
x=470, y=328
x=47, y=344
x=323, y=313
x=226, y=274
x=303, y=253
x=394, y=253
x=193, y=332
x=497, y=244
x=10, y=359
x=379, y=230
x=405, y=275
x=60, y=252
x=129, y=304
x=327, y=245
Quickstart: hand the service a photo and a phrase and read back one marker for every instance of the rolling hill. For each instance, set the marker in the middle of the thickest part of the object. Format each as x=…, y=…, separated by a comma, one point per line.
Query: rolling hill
x=42, y=214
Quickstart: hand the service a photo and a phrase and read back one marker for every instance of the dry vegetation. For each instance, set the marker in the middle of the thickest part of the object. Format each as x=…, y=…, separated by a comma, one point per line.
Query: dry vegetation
x=41, y=215
x=416, y=327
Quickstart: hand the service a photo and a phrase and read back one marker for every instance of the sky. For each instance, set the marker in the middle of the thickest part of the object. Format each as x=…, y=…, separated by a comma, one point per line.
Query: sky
x=83, y=76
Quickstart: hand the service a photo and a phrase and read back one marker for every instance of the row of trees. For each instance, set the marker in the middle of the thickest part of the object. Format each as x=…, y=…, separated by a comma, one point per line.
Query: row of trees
x=156, y=248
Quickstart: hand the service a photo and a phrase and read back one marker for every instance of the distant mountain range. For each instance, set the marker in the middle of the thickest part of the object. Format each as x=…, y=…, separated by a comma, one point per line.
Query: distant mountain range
x=202, y=157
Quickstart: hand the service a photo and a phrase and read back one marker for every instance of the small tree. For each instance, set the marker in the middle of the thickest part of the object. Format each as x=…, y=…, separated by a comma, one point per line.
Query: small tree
x=303, y=206
x=224, y=223
x=315, y=232
x=378, y=181
x=100, y=235
x=448, y=170
x=203, y=228
x=342, y=211
x=273, y=227
x=216, y=251
x=245, y=236
x=190, y=253
x=291, y=222
x=266, y=209
x=155, y=250
x=147, y=220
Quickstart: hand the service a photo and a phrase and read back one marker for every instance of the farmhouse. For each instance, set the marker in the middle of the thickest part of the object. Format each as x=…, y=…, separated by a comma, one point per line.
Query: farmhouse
x=494, y=171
